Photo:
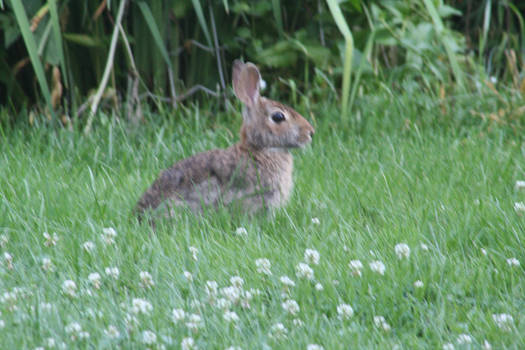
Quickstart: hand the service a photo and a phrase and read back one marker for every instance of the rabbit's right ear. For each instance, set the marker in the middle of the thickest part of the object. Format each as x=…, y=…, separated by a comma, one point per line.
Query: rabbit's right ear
x=246, y=79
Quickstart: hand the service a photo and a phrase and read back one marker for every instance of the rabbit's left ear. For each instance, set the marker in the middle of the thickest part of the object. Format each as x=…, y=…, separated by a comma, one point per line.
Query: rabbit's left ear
x=246, y=79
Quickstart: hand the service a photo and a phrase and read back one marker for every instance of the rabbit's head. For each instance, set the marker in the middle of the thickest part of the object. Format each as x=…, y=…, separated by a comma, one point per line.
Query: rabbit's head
x=266, y=123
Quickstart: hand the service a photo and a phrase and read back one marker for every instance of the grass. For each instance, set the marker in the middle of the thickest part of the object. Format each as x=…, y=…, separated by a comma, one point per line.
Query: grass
x=370, y=185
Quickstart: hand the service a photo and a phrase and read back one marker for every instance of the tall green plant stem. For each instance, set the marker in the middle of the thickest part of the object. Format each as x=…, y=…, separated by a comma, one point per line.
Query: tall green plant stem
x=349, y=51
x=439, y=28
x=29, y=40
x=107, y=70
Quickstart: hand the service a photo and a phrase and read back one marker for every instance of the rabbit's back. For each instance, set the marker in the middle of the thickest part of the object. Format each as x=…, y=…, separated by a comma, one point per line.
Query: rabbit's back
x=223, y=176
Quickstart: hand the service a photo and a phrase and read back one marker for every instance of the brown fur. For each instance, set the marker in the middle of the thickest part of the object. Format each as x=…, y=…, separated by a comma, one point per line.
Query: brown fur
x=254, y=173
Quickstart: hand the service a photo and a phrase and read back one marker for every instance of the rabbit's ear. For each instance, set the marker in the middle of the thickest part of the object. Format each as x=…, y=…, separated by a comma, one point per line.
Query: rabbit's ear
x=246, y=79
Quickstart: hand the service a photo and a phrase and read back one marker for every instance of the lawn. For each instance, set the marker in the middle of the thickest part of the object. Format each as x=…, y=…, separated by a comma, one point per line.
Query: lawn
x=401, y=233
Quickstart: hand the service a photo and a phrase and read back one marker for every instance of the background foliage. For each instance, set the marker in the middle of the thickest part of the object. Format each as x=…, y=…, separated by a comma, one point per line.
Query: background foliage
x=167, y=50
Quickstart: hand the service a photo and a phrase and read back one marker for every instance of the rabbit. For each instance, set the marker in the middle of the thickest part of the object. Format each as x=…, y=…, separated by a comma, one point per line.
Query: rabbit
x=255, y=173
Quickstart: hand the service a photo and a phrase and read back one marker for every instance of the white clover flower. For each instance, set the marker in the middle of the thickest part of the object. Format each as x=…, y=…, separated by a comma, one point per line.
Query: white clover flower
x=316, y=221
x=178, y=315
x=188, y=344
x=345, y=311
x=287, y=281
x=73, y=327
x=263, y=266
x=4, y=239
x=230, y=316
x=194, y=251
x=95, y=279
x=108, y=235
x=188, y=276
x=149, y=337
x=232, y=293
x=418, y=284
x=241, y=231
x=75, y=331
x=278, y=331
x=46, y=306
x=486, y=345
x=140, y=306
x=314, y=347
x=311, y=256
x=513, y=262
x=112, y=332
x=50, y=342
x=402, y=250
x=448, y=346
x=303, y=270
x=194, y=322
x=319, y=287
x=8, y=260
x=223, y=303
x=356, y=266
x=69, y=288
x=424, y=246
x=484, y=251
x=88, y=246
x=519, y=184
x=519, y=207
x=51, y=240
x=297, y=322
x=211, y=288
x=112, y=272
x=291, y=306
x=47, y=265
x=237, y=281
x=146, y=280
x=377, y=266
x=380, y=322
x=464, y=339
x=504, y=321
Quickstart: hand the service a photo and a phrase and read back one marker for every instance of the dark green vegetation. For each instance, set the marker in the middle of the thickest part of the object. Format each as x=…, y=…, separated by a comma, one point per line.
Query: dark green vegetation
x=57, y=53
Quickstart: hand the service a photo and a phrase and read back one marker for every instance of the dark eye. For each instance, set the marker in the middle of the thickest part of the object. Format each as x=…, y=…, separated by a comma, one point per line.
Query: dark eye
x=278, y=117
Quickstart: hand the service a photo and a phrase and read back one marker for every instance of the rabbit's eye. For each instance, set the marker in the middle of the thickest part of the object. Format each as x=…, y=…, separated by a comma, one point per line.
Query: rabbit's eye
x=278, y=117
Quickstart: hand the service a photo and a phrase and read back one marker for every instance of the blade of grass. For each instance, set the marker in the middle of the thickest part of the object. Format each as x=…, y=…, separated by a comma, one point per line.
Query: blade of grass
x=486, y=26
x=349, y=48
x=366, y=53
x=148, y=16
x=276, y=4
x=58, y=37
x=29, y=40
x=520, y=20
x=439, y=27
x=200, y=16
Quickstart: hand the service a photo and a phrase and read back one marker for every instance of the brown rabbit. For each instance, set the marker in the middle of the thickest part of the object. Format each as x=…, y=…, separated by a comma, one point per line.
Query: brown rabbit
x=254, y=173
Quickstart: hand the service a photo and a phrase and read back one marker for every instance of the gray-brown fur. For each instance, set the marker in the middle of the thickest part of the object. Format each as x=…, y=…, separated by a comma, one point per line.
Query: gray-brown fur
x=255, y=172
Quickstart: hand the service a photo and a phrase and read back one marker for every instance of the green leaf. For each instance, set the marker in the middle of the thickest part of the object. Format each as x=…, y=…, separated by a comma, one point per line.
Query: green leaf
x=29, y=40
x=58, y=38
x=282, y=54
x=82, y=39
x=200, y=16
x=340, y=21
x=148, y=16
x=447, y=11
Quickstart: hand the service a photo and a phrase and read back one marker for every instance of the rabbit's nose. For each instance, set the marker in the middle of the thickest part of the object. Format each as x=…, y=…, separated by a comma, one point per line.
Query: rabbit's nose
x=312, y=132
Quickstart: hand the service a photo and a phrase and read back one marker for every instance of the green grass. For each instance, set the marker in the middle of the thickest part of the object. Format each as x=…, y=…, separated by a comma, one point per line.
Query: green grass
x=371, y=185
